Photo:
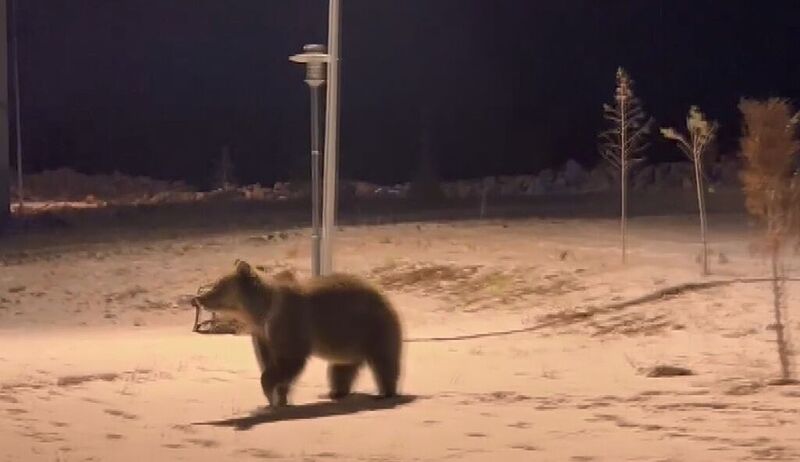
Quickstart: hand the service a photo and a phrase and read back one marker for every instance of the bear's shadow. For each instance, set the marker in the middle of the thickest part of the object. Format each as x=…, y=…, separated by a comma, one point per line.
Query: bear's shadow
x=353, y=404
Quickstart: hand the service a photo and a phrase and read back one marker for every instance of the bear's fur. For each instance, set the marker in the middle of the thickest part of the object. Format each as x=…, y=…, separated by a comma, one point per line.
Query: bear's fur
x=339, y=318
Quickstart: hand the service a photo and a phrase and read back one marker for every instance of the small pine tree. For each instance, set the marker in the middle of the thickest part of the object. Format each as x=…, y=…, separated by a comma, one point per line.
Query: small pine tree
x=701, y=134
x=626, y=138
x=771, y=185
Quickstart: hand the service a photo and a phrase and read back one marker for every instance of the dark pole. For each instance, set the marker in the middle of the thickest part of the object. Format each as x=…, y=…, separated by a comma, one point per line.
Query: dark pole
x=17, y=103
x=5, y=187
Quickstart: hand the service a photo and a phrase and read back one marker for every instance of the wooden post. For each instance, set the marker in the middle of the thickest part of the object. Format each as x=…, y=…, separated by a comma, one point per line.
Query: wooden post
x=5, y=181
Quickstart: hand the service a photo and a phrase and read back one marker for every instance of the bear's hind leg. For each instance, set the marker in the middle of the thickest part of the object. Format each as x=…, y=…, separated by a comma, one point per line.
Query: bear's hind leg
x=386, y=369
x=341, y=377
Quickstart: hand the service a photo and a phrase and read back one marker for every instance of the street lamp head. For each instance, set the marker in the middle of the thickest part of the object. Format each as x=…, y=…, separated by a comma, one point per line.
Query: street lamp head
x=314, y=48
x=314, y=56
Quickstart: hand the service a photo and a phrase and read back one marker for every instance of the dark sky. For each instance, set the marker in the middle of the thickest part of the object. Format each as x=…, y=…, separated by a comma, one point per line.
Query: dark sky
x=157, y=87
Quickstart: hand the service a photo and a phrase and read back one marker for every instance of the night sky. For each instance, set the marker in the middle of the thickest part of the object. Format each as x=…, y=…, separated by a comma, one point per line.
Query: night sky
x=157, y=87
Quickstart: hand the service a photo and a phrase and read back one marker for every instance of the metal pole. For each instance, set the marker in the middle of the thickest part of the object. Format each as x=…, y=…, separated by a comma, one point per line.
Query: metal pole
x=315, y=182
x=331, y=138
x=17, y=91
x=314, y=57
x=5, y=202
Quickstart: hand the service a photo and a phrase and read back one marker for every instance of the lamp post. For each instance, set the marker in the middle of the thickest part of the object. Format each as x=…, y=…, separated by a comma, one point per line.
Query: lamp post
x=331, y=136
x=314, y=57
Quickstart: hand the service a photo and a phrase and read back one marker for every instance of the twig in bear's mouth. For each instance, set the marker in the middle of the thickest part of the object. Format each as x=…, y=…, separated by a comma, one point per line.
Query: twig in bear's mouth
x=197, y=306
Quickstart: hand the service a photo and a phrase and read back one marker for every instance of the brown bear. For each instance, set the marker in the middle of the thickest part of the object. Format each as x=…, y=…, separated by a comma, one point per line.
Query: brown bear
x=339, y=318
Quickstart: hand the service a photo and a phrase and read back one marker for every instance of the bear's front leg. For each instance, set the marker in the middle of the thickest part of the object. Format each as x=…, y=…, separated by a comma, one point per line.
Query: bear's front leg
x=276, y=393
x=277, y=378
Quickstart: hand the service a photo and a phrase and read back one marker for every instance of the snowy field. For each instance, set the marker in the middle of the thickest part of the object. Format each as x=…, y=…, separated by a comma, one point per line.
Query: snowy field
x=98, y=361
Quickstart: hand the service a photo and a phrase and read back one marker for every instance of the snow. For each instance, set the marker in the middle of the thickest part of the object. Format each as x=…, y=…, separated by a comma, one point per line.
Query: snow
x=98, y=361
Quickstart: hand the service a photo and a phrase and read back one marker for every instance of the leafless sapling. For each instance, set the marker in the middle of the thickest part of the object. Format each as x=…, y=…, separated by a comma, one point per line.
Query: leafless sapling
x=621, y=144
x=700, y=135
x=769, y=146
x=484, y=193
x=224, y=170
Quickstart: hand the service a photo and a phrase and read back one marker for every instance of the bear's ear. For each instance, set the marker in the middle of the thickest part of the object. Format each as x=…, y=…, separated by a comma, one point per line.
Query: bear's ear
x=243, y=268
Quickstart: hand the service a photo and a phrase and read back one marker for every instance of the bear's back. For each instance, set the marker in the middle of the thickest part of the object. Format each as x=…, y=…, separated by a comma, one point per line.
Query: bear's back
x=349, y=317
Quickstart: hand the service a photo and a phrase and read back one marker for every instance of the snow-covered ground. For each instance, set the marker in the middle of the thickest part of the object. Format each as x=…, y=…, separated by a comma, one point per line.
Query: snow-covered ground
x=98, y=361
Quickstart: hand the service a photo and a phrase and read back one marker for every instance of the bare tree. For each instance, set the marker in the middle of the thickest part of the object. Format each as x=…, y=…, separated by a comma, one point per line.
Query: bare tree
x=701, y=134
x=626, y=138
x=224, y=170
x=426, y=185
x=772, y=188
x=484, y=193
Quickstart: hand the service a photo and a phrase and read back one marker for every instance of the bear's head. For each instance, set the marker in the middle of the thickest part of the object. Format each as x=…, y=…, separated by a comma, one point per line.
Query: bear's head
x=242, y=295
